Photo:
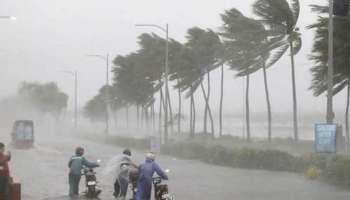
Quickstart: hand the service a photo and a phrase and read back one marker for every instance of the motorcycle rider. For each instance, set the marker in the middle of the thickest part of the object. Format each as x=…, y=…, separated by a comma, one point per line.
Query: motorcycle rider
x=122, y=180
x=76, y=164
x=147, y=170
x=4, y=173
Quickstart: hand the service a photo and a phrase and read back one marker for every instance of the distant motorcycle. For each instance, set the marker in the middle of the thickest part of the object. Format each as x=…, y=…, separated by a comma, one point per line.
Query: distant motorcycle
x=91, y=183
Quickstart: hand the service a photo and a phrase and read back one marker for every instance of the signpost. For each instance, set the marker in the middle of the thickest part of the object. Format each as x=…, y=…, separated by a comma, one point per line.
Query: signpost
x=326, y=138
x=155, y=145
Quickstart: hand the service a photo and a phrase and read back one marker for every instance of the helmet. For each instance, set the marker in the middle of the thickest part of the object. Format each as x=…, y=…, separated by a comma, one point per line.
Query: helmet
x=79, y=151
x=150, y=156
x=127, y=152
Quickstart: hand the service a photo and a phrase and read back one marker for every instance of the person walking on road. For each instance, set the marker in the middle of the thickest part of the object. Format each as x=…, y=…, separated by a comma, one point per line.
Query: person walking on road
x=76, y=164
x=120, y=166
x=4, y=173
x=122, y=181
x=147, y=170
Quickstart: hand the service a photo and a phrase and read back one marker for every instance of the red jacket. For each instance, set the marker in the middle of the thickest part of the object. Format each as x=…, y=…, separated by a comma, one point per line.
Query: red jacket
x=4, y=168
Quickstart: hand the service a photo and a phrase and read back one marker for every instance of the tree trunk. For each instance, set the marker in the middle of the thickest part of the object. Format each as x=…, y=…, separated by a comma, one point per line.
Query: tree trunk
x=138, y=116
x=268, y=103
x=147, y=118
x=221, y=99
x=347, y=116
x=194, y=117
x=247, y=108
x=142, y=116
x=153, y=119
x=191, y=116
x=205, y=119
x=179, y=111
x=295, y=107
x=115, y=118
x=208, y=107
x=127, y=116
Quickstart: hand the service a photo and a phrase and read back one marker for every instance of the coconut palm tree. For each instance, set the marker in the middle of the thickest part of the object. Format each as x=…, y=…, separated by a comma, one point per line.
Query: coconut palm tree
x=341, y=57
x=247, y=50
x=205, y=46
x=280, y=18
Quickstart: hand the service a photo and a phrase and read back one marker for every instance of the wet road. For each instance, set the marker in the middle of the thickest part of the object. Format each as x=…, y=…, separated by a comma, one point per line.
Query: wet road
x=43, y=173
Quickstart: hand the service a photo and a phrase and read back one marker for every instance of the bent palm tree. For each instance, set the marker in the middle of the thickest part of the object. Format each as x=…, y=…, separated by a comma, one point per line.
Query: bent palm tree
x=281, y=17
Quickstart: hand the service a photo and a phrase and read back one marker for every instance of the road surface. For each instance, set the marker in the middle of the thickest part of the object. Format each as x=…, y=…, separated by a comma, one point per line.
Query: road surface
x=43, y=174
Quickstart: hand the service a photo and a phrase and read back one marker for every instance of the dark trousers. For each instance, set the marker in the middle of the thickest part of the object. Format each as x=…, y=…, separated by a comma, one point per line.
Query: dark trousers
x=4, y=188
x=74, y=181
x=120, y=187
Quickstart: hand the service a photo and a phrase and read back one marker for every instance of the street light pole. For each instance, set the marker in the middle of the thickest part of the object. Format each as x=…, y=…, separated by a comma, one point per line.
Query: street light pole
x=75, y=100
x=166, y=83
x=106, y=58
x=330, y=113
x=166, y=73
x=75, y=75
x=8, y=17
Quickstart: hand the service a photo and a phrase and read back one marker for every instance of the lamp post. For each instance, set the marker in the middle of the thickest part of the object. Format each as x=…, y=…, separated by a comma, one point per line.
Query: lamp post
x=8, y=17
x=166, y=72
x=330, y=113
x=105, y=58
x=75, y=75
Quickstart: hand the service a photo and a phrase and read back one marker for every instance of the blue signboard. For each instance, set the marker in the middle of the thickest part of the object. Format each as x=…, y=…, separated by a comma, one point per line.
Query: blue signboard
x=155, y=145
x=325, y=138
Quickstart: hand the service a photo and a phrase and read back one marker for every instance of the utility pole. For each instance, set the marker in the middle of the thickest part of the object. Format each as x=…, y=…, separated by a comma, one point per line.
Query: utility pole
x=107, y=95
x=166, y=133
x=330, y=113
x=75, y=75
x=166, y=73
x=75, y=100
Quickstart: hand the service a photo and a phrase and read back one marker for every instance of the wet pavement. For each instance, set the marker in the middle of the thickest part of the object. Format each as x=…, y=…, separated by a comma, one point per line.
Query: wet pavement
x=43, y=174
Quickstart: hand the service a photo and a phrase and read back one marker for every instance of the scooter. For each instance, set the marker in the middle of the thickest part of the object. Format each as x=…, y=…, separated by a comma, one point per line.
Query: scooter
x=91, y=183
x=161, y=190
x=133, y=177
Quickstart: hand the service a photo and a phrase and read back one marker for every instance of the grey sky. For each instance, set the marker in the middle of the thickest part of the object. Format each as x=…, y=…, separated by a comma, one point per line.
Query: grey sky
x=54, y=35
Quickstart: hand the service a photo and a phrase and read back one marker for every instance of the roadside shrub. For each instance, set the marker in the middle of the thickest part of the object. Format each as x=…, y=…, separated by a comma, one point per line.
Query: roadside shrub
x=338, y=171
x=239, y=158
x=335, y=170
x=312, y=172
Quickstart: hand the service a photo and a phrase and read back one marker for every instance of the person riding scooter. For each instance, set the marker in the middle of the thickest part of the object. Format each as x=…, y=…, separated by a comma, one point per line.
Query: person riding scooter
x=147, y=170
x=76, y=164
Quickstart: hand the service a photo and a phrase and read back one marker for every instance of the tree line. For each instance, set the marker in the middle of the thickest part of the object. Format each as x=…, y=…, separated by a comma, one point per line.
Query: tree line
x=246, y=45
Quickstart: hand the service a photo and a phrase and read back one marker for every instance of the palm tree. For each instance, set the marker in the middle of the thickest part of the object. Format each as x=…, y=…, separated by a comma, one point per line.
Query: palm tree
x=221, y=98
x=341, y=57
x=247, y=48
x=281, y=17
x=205, y=46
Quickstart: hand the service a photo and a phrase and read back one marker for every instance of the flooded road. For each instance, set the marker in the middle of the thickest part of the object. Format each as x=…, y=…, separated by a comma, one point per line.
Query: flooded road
x=43, y=174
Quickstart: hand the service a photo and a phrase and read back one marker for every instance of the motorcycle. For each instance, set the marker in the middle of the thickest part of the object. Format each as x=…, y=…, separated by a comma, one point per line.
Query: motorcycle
x=133, y=177
x=161, y=190
x=91, y=183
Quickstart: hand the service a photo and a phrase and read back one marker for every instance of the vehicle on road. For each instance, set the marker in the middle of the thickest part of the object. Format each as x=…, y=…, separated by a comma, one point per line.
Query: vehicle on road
x=91, y=183
x=161, y=190
x=23, y=134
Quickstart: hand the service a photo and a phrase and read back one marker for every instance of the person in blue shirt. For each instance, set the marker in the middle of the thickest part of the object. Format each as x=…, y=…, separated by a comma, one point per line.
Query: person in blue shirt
x=147, y=170
x=76, y=164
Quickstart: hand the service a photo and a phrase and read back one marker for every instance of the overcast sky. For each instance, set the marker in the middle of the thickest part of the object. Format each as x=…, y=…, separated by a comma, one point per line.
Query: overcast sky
x=53, y=35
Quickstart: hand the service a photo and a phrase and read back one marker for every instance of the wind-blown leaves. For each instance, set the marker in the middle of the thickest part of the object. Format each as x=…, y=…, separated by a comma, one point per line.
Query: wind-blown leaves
x=320, y=52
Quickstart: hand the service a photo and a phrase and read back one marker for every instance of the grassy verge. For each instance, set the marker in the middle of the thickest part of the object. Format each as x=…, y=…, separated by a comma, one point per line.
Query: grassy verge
x=335, y=170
